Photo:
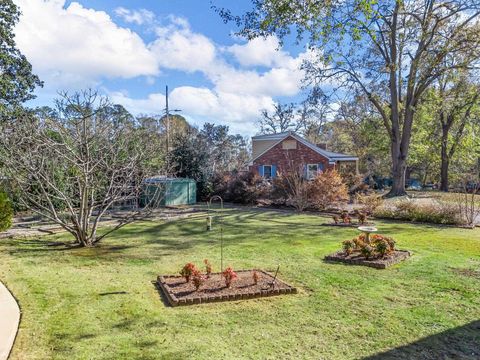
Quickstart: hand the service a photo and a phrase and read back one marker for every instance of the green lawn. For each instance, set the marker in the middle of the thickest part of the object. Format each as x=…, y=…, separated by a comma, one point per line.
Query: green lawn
x=341, y=312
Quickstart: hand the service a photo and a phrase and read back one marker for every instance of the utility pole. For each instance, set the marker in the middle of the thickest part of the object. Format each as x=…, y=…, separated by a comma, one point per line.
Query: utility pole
x=167, y=119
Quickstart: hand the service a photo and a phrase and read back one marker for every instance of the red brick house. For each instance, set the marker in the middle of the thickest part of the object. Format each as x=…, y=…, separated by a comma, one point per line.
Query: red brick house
x=276, y=153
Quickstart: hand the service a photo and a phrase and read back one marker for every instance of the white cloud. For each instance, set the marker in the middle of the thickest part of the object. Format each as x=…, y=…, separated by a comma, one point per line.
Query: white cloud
x=177, y=47
x=201, y=104
x=139, y=17
x=76, y=46
x=260, y=52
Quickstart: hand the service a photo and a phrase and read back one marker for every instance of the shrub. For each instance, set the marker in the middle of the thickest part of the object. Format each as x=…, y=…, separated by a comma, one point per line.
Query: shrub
x=327, y=189
x=6, y=212
x=435, y=212
x=188, y=270
x=370, y=202
x=348, y=246
x=229, y=276
x=353, y=181
x=362, y=217
x=467, y=204
x=291, y=188
x=359, y=242
x=381, y=247
x=344, y=216
x=243, y=188
x=255, y=277
x=208, y=267
x=197, y=279
x=367, y=251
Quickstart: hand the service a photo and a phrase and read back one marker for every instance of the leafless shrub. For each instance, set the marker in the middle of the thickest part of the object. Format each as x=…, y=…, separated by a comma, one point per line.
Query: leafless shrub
x=292, y=186
x=468, y=203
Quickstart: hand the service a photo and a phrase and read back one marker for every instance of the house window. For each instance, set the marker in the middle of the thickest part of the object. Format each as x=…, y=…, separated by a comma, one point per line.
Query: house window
x=312, y=170
x=267, y=171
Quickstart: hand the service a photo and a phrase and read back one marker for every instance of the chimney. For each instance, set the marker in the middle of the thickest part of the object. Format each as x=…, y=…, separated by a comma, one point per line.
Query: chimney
x=322, y=146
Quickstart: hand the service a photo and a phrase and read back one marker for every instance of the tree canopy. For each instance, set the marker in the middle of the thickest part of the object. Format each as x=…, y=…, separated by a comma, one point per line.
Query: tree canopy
x=390, y=51
x=17, y=81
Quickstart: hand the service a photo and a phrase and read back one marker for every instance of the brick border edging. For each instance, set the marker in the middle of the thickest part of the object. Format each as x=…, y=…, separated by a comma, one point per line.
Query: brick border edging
x=370, y=263
x=174, y=301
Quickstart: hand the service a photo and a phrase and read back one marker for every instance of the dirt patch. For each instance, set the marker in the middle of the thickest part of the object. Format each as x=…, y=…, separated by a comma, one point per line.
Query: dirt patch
x=475, y=273
x=178, y=292
x=378, y=263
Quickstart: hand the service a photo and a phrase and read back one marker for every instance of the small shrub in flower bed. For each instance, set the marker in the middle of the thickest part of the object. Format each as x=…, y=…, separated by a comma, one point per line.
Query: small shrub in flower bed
x=378, y=252
x=229, y=276
x=379, y=246
x=197, y=279
x=188, y=270
x=208, y=267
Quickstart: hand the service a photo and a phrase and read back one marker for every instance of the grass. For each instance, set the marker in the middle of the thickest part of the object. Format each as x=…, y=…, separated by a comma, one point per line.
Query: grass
x=100, y=303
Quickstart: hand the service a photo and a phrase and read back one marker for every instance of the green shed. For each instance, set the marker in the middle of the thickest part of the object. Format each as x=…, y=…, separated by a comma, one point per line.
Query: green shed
x=169, y=191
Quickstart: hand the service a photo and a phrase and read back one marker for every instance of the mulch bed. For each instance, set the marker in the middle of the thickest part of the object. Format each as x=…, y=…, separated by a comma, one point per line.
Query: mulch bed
x=351, y=225
x=379, y=263
x=177, y=292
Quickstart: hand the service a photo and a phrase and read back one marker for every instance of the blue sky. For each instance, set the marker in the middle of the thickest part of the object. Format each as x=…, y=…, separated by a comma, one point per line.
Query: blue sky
x=130, y=50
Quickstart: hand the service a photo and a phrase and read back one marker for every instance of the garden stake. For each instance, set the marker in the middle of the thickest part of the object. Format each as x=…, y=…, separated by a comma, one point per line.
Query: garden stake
x=221, y=225
x=275, y=277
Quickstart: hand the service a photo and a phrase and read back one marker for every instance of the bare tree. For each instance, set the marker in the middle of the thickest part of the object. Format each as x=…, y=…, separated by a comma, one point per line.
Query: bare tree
x=73, y=164
x=280, y=120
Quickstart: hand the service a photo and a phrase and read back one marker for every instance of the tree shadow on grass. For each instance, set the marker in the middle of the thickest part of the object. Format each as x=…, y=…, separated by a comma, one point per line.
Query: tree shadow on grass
x=459, y=343
x=155, y=241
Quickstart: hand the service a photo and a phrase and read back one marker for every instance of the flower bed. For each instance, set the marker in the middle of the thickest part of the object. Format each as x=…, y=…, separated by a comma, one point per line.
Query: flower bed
x=378, y=251
x=378, y=263
x=349, y=225
x=179, y=292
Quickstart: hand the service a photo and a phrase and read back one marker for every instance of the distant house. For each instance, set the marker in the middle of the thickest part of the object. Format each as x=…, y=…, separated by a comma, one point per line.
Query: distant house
x=274, y=153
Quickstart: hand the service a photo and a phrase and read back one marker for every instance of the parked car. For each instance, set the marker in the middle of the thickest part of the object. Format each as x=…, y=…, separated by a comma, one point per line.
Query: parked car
x=472, y=186
x=430, y=186
x=413, y=184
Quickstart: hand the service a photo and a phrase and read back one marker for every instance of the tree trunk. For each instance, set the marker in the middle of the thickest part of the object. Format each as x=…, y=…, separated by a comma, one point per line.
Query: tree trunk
x=445, y=161
x=398, y=172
